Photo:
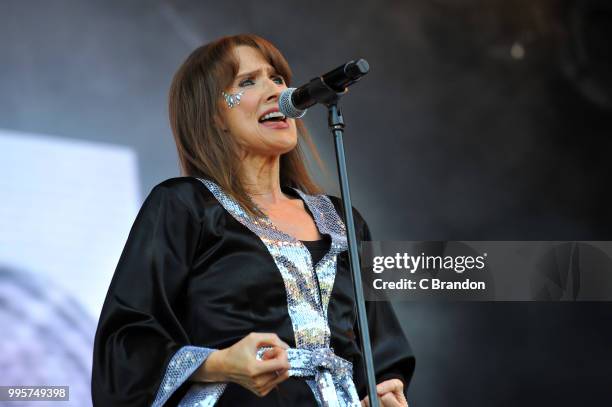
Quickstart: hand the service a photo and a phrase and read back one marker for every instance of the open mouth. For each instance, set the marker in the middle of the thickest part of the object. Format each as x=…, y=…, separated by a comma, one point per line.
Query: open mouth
x=274, y=120
x=273, y=117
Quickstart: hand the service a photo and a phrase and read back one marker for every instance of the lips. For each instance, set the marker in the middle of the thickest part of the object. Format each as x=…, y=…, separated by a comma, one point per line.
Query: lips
x=276, y=125
x=271, y=110
x=273, y=124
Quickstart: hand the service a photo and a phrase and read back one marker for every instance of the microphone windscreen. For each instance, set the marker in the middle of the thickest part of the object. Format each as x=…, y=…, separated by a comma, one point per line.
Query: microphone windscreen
x=286, y=107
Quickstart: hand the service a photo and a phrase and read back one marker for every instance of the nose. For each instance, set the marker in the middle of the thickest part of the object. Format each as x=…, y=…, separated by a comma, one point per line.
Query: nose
x=273, y=90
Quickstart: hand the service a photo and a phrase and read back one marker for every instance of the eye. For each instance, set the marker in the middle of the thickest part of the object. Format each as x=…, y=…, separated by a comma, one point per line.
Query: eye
x=246, y=82
x=278, y=79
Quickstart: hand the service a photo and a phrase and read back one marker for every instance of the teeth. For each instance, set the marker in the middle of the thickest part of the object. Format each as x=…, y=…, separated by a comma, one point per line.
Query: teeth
x=271, y=115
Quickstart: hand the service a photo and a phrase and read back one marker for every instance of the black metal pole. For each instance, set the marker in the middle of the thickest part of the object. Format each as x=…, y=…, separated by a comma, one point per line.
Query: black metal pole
x=336, y=125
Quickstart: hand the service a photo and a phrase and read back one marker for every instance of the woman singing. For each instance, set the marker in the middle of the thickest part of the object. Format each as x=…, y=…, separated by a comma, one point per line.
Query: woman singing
x=234, y=288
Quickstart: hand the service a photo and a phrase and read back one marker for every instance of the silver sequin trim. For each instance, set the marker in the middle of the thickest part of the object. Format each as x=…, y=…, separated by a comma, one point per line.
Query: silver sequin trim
x=184, y=362
x=329, y=376
x=203, y=395
x=307, y=304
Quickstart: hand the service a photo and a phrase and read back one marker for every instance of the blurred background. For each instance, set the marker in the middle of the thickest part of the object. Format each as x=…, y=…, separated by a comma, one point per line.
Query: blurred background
x=479, y=120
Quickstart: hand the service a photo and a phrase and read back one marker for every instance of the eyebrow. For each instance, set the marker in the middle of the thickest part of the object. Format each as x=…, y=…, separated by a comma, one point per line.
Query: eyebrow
x=256, y=71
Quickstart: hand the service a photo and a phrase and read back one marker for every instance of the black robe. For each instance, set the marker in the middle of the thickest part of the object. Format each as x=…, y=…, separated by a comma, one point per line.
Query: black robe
x=192, y=277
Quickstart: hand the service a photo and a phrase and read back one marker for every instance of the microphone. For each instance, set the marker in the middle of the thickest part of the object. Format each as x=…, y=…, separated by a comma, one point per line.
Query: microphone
x=293, y=102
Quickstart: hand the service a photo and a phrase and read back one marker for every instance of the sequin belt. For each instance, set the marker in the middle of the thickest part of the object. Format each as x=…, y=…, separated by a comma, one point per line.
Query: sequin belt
x=329, y=376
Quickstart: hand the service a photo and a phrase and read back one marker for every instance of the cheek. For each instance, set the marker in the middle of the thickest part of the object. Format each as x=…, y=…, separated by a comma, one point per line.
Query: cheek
x=242, y=118
x=245, y=109
x=248, y=105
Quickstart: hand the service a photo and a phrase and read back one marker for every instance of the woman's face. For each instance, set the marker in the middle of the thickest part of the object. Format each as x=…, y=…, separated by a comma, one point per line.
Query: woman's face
x=262, y=86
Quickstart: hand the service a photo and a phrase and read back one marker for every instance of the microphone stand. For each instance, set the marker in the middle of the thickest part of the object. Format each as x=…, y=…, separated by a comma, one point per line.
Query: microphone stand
x=330, y=98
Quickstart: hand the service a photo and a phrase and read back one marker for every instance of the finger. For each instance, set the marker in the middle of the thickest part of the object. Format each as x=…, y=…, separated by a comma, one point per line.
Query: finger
x=366, y=401
x=279, y=362
x=401, y=398
x=280, y=377
x=389, y=400
x=270, y=353
x=258, y=383
x=270, y=366
x=276, y=381
x=269, y=339
x=274, y=352
x=387, y=386
x=266, y=379
x=392, y=385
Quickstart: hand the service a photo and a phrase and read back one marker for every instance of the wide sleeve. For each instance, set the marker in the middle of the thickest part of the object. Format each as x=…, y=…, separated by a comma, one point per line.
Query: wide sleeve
x=142, y=354
x=391, y=351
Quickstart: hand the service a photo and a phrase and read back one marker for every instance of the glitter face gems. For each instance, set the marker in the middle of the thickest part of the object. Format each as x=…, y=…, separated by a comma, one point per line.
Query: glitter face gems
x=232, y=99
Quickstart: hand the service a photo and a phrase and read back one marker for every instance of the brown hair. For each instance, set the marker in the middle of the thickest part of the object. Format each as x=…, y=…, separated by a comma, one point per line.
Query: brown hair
x=204, y=150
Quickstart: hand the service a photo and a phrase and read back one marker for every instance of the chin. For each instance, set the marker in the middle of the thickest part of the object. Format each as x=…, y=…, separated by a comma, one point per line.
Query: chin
x=286, y=148
x=283, y=142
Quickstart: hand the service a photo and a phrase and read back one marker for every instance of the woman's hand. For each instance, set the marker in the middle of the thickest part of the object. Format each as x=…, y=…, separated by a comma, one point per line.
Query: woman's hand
x=390, y=394
x=239, y=364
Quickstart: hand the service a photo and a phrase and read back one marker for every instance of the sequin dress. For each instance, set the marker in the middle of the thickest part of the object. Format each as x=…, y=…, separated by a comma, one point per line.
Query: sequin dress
x=198, y=274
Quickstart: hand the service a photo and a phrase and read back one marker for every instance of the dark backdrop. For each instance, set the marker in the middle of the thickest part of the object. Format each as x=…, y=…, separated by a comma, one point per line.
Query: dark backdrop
x=480, y=119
